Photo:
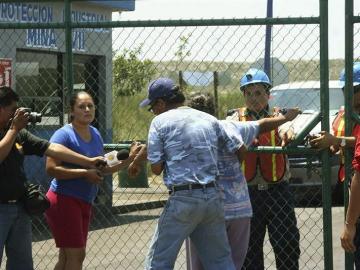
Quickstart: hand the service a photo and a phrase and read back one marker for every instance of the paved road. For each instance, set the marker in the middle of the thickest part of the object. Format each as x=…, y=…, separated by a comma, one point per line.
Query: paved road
x=124, y=243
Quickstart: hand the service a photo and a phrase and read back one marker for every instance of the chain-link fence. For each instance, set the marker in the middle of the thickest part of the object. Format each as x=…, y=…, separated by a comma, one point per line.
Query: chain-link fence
x=115, y=61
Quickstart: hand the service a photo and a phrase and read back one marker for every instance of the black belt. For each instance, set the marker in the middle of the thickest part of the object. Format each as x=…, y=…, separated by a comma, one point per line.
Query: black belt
x=8, y=201
x=191, y=186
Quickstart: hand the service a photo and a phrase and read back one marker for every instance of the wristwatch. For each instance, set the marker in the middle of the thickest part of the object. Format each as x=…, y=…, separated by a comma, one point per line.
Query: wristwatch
x=343, y=142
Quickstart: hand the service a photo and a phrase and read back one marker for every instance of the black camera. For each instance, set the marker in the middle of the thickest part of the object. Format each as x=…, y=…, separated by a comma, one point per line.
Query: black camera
x=34, y=117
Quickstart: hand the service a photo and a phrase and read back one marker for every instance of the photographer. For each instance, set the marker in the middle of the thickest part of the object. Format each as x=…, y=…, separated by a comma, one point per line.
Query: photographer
x=15, y=142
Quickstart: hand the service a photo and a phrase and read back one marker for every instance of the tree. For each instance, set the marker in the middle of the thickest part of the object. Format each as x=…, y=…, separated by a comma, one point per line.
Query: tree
x=130, y=74
x=183, y=51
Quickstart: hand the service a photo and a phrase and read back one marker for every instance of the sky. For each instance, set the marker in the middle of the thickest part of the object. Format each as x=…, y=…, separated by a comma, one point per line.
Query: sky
x=207, y=9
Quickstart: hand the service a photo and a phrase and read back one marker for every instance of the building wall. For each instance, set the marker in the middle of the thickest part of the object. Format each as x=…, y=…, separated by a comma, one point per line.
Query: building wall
x=96, y=42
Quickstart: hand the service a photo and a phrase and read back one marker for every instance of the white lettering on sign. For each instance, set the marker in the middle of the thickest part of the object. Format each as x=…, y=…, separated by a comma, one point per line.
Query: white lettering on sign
x=78, y=40
x=41, y=38
x=47, y=38
x=23, y=12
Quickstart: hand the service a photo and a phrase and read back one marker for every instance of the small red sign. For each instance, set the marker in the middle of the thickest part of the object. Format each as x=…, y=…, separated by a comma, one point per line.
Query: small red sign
x=5, y=72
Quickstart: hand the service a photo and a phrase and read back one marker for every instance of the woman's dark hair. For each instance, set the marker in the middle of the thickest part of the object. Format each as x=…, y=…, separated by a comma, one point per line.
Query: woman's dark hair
x=72, y=102
x=175, y=98
x=7, y=96
x=202, y=102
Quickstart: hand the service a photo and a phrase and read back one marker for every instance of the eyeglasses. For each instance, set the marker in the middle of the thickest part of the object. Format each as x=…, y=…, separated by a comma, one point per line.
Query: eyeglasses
x=152, y=105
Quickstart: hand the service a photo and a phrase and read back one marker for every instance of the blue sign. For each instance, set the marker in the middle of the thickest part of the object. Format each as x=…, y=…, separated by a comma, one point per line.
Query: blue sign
x=23, y=12
x=47, y=38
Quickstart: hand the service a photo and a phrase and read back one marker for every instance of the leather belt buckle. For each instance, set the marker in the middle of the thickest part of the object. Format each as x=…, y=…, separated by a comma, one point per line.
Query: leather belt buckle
x=263, y=186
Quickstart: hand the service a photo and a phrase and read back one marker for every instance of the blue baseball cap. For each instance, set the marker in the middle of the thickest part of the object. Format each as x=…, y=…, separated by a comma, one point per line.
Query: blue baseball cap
x=159, y=88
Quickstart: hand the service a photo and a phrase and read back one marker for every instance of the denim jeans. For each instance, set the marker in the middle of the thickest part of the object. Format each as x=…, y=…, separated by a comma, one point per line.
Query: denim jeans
x=15, y=236
x=197, y=214
x=238, y=234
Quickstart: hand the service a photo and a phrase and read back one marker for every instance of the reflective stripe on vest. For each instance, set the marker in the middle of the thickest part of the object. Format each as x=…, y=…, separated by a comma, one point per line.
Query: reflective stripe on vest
x=338, y=126
x=272, y=166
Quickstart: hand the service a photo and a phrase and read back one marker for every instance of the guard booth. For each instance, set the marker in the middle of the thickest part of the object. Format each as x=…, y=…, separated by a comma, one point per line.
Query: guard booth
x=32, y=62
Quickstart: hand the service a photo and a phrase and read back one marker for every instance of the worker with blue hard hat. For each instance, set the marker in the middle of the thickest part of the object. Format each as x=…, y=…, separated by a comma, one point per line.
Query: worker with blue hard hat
x=267, y=176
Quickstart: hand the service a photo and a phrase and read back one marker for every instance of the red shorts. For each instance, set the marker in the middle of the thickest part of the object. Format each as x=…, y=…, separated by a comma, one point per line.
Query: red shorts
x=69, y=219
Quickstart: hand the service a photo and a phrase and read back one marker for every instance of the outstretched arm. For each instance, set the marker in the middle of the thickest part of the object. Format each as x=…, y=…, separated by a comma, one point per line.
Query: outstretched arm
x=135, y=149
x=135, y=166
x=324, y=140
x=60, y=152
x=54, y=168
x=268, y=124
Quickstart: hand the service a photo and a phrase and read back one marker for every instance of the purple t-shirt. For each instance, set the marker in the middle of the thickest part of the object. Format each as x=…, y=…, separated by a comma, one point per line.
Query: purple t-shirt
x=78, y=187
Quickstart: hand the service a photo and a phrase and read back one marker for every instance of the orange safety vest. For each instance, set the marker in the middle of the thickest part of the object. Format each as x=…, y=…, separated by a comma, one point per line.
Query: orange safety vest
x=338, y=127
x=272, y=166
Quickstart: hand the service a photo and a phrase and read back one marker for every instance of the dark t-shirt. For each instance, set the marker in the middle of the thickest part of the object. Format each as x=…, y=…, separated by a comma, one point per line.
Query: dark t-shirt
x=12, y=174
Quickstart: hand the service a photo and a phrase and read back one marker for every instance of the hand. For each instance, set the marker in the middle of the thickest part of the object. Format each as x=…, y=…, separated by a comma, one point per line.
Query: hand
x=19, y=120
x=287, y=137
x=347, y=237
x=135, y=148
x=97, y=162
x=292, y=113
x=94, y=176
x=134, y=169
x=322, y=140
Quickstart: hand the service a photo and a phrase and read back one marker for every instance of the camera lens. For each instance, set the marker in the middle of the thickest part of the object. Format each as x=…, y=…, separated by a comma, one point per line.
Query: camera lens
x=35, y=117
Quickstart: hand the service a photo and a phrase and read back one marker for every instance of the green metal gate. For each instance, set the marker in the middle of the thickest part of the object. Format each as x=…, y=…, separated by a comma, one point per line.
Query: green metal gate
x=125, y=217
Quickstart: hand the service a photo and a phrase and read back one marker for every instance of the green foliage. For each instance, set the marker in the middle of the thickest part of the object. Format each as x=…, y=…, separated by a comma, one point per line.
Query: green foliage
x=130, y=74
x=182, y=51
x=130, y=122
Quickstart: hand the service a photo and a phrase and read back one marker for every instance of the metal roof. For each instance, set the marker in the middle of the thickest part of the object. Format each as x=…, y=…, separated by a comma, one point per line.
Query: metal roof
x=124, y=5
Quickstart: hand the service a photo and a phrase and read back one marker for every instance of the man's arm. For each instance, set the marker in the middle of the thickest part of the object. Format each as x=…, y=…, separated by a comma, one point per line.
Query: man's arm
x=55, y=169
x=19, y=122
x=270, y=123
x=60, y=152
x=241, y=152
x=325, y=140
x=352, y=215
x=157, y=168
x=135, y=149
x=135, y=166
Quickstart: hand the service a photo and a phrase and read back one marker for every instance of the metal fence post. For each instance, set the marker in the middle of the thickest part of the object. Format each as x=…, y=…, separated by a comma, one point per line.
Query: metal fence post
x=216, y=98
x=324, y=98
x=349, y=59
x=68, y=52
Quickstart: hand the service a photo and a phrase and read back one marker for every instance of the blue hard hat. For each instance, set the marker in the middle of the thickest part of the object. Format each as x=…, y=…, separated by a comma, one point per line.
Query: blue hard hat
x=252, y=76
x=356, y=75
